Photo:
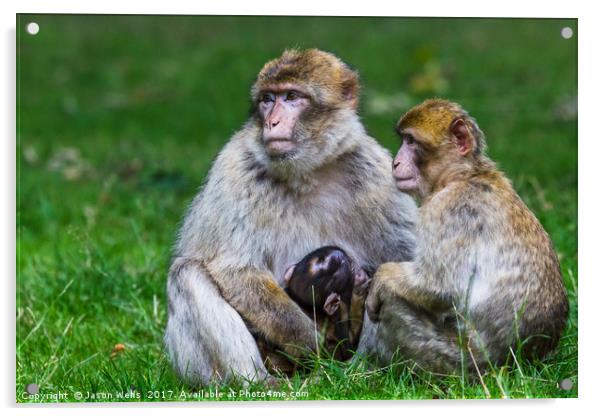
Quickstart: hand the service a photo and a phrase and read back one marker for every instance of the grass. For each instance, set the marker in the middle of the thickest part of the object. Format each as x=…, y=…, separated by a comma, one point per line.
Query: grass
x=119, y=118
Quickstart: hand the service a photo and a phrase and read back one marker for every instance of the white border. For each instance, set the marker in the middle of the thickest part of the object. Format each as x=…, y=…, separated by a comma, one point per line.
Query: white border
x=590, y=71
x=458, y=8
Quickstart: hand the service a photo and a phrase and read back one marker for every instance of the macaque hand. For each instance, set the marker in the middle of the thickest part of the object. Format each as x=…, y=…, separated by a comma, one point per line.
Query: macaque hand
x=383, y=287
x=361, y=280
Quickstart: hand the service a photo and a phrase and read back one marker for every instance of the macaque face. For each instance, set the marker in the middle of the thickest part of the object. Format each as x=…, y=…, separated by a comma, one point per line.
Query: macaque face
x=405, y=165
x=280, y=109
x=423, y=156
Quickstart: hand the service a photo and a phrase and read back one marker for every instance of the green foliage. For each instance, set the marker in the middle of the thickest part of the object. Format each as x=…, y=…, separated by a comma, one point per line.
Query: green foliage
x=119, y=118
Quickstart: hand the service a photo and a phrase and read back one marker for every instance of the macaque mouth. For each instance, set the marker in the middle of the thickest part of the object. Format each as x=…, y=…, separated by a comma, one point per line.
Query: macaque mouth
x=278, y=142
x=277, y=139
x=407, y=183
x=279, y=145
x=404, y=179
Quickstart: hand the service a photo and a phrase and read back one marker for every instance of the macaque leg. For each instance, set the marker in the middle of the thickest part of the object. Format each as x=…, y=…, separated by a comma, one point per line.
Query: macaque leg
x=408, y=333
x=206, y=338
x=343, y=347
x=275, y=361
x=342, y=333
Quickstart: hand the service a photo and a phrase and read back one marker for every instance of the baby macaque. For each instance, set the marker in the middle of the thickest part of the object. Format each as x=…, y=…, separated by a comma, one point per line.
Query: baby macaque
x=329, y=283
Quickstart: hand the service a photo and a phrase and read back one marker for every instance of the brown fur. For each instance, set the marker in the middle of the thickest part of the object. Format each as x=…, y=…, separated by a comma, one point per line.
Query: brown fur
x=485, y=279
x=328, y=80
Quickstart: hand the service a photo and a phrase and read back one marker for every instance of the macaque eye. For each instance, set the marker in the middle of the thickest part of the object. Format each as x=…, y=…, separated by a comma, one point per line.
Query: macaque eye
x=408, y=139
x=292, y=96
x=266, y=98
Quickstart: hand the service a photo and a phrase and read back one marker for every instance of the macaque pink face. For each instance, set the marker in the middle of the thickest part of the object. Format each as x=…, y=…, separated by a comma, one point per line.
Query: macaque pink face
x=405, y=169
x=280, y=109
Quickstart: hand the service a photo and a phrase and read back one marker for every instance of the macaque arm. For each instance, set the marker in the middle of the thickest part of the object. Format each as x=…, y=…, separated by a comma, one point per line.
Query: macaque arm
x=257, y=297
x=400, y=280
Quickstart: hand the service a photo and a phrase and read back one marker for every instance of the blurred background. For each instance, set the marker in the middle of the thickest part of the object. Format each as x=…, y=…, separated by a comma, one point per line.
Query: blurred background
x=119, y=118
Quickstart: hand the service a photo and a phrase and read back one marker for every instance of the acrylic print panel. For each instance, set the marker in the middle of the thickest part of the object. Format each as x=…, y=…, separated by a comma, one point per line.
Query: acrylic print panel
x=119, y=119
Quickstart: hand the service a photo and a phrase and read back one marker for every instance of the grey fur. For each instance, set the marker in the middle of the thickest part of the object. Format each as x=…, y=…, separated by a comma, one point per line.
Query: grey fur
x=253, y=218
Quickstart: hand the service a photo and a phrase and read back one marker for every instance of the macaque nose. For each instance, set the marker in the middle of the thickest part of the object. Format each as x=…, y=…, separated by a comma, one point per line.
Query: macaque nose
x=395, y=164
x=271, y=124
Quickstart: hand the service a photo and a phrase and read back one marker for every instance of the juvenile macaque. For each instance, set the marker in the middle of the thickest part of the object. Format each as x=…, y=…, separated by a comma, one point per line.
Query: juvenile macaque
x=301, y=173
x=325, y=282
x=485, y=278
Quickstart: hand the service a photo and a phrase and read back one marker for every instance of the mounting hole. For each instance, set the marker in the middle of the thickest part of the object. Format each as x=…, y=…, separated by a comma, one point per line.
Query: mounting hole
x=32, y=28
x=566, y=32
x=566, y=384
x=32, y=388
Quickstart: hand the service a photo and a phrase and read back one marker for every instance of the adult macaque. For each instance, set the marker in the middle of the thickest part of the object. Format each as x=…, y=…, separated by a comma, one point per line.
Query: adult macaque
x=301, y=173
x=328, y=283
x=485, y=278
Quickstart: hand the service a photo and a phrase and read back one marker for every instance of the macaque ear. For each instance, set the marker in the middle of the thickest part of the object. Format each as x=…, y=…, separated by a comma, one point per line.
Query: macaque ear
x=288, y=274
x=350, y=88
x=333, y=301
x=461, y=136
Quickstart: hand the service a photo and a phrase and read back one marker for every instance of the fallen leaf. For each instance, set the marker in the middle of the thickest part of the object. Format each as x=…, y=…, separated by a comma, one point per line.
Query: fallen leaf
x=118, y=348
